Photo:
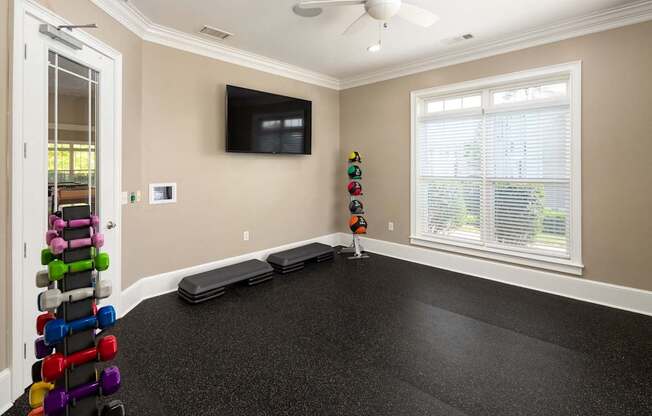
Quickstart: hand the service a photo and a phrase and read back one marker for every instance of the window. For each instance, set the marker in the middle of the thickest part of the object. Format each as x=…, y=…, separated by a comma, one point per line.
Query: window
x=496, y=168
x=75, y=162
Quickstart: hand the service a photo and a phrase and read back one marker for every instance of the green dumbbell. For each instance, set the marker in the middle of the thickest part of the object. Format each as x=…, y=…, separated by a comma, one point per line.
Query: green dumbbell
x=57, y=269
x=47, y=257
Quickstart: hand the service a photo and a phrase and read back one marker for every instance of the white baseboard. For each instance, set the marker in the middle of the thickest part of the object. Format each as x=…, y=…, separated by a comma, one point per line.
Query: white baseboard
x=151, y=286
x=5, y=390
x=621, y=297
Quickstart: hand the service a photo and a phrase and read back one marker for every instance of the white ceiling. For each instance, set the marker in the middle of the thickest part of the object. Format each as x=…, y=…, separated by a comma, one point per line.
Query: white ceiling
x=271, y=29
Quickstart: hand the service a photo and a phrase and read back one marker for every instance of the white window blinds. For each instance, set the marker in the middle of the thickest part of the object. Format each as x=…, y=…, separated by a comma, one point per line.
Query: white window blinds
x=450, y=176
x=527, y=156
x=496, y=175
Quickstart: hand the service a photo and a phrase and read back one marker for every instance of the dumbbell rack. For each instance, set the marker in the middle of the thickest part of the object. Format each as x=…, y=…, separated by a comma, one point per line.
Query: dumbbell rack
x=85, y=373
x=77, y=375
x=356, y=246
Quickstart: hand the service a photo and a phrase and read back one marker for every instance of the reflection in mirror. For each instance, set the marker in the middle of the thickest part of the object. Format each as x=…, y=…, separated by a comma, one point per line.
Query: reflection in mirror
x=72, y=137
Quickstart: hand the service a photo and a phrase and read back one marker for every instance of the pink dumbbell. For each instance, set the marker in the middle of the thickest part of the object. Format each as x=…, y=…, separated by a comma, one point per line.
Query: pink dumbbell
x=58, y=245
x=52, y=218
x=60, y=224
x=52, y=234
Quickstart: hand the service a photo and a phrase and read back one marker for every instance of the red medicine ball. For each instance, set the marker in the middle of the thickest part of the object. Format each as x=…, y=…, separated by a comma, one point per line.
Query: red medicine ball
x=355, y=188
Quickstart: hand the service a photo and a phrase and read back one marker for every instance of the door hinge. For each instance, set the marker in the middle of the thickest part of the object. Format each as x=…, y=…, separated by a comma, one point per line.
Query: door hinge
x=25, y=350
x=25, y=51
x=24, y=250
x=25, y=150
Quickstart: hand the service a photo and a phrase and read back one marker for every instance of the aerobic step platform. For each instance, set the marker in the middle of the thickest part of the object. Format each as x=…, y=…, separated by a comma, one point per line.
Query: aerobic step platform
x=208, y=285
x=294, y=259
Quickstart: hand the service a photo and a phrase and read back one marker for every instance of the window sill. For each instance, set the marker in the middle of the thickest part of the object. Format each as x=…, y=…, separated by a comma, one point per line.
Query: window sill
x=522, y=259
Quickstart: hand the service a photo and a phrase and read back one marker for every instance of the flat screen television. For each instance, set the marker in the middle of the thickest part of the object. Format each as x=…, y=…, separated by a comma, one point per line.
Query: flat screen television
x=259, y=122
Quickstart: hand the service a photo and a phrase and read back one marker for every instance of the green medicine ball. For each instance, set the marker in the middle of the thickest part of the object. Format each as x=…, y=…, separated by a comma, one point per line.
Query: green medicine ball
x=355, y=172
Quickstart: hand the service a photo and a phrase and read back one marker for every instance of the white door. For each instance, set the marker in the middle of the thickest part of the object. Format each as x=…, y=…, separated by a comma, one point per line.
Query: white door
x=70, y=155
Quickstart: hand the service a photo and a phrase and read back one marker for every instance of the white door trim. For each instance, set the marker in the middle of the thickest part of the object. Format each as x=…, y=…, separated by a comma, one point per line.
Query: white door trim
x=22, y=8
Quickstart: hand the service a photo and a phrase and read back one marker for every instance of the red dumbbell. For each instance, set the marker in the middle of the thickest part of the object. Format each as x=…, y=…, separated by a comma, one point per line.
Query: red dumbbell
x=54, y=365
x=43, y=319
x=37, y=412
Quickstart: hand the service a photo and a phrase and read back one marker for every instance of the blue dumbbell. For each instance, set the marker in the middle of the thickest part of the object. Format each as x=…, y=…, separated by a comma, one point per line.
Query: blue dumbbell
x=58, y=329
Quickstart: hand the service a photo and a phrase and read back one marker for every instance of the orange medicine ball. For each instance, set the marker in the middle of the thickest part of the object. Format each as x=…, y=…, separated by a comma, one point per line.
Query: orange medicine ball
x=358, y=224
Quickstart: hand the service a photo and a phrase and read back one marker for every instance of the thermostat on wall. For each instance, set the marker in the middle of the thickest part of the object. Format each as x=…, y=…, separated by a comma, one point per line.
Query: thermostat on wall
x=162, y=193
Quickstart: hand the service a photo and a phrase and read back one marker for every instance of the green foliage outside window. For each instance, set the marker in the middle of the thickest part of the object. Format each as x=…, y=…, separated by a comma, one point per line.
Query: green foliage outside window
x=518, y=212
x=73, y=162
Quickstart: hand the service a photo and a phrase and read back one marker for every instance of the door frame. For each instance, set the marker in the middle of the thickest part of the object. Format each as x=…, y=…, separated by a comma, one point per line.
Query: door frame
x=21, y=9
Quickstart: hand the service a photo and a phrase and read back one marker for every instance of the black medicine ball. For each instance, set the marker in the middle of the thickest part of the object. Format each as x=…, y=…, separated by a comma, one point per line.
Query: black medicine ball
x=356, y=207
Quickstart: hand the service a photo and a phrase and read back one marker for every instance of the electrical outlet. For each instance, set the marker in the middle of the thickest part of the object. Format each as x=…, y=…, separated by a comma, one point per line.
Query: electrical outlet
x=124, y=198
x=245, y=236
x=390, y=226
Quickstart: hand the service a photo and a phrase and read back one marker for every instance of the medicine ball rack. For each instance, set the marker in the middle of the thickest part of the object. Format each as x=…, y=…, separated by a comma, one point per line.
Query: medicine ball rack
x=356, y=246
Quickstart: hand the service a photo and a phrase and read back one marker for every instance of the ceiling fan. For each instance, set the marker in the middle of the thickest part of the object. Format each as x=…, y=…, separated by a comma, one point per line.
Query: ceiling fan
x=382, y=10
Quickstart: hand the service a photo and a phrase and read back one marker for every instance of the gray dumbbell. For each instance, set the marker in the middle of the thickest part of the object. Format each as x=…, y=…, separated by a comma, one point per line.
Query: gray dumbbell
x=51, y=299
x=42, y=279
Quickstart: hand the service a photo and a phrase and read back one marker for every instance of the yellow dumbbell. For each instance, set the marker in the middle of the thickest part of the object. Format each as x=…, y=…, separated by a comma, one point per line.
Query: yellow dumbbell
x=37, y=393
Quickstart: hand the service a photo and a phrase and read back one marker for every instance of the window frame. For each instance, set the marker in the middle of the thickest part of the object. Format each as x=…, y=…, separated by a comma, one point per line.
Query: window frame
x=571, y=264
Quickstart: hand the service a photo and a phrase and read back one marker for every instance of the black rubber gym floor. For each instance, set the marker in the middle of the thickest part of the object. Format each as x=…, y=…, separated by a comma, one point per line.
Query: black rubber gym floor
x=382, y=337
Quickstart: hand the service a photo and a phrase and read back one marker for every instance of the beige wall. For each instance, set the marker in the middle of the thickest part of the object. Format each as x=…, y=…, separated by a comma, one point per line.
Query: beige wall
x=616, y=144
x=4, y=178
x=279, y=199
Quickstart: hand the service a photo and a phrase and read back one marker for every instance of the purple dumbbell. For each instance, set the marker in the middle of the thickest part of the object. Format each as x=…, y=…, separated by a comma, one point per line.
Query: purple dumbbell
x=58, y=245
x=41, y=349
x=56, y=401
x=60, y=224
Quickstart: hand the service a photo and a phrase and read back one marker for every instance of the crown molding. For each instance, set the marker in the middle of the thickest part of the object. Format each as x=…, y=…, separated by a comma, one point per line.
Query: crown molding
x=612, y=18
x=142, y=26
x=134, y=20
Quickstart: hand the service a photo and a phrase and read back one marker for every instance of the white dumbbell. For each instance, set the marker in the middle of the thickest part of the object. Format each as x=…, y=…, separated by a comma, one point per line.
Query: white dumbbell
x=52, y=298
x=43, y=279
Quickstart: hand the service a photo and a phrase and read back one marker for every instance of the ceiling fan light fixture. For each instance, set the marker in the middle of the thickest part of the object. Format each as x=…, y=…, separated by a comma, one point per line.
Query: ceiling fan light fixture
x=382, y=9
x=374, y=48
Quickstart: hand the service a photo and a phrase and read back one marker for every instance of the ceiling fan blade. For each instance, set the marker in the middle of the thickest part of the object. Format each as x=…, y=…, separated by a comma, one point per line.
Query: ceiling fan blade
x=307, y=4
x=417, y=15
x=358, y=24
